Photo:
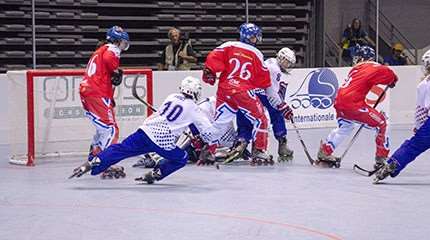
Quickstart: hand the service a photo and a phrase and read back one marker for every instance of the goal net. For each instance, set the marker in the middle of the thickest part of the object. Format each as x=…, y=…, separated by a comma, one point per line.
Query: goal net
x=47, y=121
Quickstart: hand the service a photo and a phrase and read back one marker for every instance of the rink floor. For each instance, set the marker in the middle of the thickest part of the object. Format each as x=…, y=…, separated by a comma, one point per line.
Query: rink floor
x=285, y=201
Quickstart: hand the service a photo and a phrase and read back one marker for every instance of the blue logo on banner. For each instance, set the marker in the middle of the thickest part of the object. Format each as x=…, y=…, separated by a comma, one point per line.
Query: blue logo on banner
x=321, y=91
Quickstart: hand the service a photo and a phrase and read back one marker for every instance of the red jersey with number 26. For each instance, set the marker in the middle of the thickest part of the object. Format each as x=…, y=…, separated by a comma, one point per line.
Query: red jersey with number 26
x=241, y=65
x=361, y=79
x=97, y=78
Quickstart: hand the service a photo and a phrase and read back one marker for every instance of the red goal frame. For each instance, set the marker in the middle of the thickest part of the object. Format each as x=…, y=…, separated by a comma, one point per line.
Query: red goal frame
x=31, y=74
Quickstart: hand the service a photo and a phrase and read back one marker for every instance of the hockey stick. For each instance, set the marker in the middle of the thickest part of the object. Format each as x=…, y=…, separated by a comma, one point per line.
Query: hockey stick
x=364, y=172
x=134, y=93
x=362, y=125
x=311, y=161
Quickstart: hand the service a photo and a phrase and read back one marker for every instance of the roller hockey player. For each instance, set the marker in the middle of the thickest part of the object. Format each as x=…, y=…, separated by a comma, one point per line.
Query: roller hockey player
x=242, y=69
x=158, y=134
x=273, y=99
x=97, y=89
x=193, y=144
x=351, y=107
x=420, y=142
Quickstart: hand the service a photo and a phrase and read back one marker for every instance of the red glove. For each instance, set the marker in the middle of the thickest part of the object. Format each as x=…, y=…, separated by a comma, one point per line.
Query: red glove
x=287, y=112
x=208, y=76
x=197, y=143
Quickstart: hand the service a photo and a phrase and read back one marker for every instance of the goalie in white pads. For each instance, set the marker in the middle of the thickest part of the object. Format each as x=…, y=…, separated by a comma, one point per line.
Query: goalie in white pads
x=158, y=134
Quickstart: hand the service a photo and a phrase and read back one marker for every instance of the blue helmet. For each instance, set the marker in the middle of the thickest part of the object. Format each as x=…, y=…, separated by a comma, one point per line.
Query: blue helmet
x=116, y=33
x=248, y=30
x=363, y=52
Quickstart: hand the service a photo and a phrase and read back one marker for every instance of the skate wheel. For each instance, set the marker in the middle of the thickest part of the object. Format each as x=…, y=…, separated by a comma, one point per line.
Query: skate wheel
x=271, y=162
x=259, y=162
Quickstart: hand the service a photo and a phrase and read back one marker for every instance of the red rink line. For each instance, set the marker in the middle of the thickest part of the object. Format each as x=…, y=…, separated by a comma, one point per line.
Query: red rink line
x=299, y=228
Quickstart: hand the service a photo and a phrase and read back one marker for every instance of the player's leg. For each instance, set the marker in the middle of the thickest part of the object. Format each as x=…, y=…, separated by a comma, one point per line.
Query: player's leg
x=249, y=104
x=334, y=139
x=135, y=144
x=277, y=121
x=407, y=152
x=374, y=119
x=101, y=114
x=224, y=115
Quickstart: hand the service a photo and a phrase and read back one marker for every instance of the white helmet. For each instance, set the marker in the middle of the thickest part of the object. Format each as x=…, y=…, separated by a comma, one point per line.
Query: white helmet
x=286, y=58
x=192, y=87
x=426, y=60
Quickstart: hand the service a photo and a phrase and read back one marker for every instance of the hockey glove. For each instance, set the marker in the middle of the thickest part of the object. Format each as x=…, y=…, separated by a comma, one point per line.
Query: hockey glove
x=286, y=111
x=393, y=84
x=197, y=143
x=208, y=76
x=116, y=77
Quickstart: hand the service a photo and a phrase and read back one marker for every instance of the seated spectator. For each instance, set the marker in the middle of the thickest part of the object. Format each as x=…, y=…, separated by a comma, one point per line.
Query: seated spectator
x=397, y=58
x=354, y=35
x=178, y=54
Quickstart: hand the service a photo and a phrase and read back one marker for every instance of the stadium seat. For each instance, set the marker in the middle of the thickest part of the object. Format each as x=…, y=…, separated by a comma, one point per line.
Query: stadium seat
x=89, y=2
x=191, y=5
x=208, y=5
x=15, y=14
x=15, y=41
x=65, y=2
x=19, y=54
x=163, y=4
x=88, y=28
x=67, y=15
x=66, y=28
x=87, y=15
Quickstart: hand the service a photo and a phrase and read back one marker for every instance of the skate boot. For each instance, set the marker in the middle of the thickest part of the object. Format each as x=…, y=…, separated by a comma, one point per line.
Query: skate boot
x=84, y=168
x=207, y=156
x=260, y=157
x=113, y=172
x=386, y=170
x=284, y=152
x=236, y=151
x=150, y=177
x=325, y=158
x=147, y=161
x=379, y=162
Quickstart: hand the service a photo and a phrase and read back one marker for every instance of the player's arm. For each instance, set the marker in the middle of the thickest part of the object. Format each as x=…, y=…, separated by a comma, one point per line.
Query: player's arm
x=385, y=76
x=214, y=63
x=111, y=61
x=421, y=112
x=203, y=125
x=272, y=92
x=261, y=78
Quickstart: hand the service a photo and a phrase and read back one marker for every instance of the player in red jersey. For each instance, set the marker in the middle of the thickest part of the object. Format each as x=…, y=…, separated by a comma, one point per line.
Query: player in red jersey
x=97, y=88
x=242, y=69
x=351, y=107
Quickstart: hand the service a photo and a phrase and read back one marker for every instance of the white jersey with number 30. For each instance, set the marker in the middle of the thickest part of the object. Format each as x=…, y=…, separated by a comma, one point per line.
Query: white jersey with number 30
x=175, y=115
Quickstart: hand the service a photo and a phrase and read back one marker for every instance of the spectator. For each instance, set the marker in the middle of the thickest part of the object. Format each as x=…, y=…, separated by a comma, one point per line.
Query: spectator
x=354, y=35
x=178, y=54
x=397, y=58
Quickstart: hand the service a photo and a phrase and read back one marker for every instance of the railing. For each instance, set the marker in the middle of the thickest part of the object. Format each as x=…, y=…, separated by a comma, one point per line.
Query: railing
x=333, y=52
x=390, y=33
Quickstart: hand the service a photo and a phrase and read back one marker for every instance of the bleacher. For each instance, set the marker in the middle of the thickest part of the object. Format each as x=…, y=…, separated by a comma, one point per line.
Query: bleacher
x=67, y=31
